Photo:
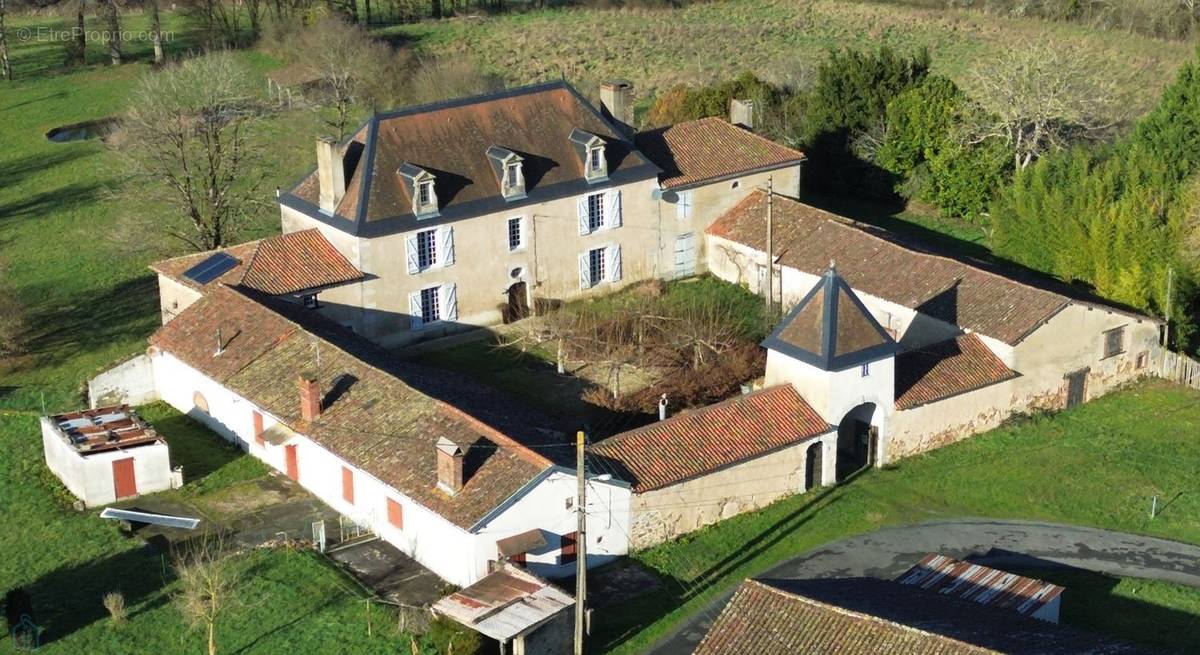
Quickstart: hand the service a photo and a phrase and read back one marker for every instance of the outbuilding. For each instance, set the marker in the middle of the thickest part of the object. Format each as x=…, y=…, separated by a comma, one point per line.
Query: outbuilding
x=107, y=454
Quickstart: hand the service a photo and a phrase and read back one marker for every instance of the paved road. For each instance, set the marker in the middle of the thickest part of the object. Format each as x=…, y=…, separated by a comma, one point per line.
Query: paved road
x=891, y=551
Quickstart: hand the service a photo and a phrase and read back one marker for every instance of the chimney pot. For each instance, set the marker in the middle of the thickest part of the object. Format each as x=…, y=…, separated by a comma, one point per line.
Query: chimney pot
x=662, y=408
x=331, y=174
x=741, y=113
x=310, y=398
x=449, y=466
x=616, y=102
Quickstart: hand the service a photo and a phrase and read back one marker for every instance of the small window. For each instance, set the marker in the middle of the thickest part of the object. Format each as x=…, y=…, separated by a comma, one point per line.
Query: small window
x=735, y=184
x=516, y=239
x=570, y=502
x=595, y=204
x=513, y=175
x=424, y=193
x=596, y=264
x=431, y=306
x=1114, y=342
x=310, y=301
x=395, y=514
x=866, y=369
x=683, y=206
x=426, y=249
x=596, y=159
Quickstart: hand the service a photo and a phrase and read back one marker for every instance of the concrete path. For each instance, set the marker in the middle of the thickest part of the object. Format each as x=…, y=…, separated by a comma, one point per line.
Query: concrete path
x=891, y=551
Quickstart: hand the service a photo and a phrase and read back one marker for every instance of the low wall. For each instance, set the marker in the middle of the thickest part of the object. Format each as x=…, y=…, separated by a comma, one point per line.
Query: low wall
x=131, y=383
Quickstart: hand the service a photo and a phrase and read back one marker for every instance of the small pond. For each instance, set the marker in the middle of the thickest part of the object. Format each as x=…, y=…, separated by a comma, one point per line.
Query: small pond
x=97, y=129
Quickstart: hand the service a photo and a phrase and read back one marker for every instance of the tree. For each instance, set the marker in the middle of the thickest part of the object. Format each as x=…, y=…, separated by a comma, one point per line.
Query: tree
x=5, y=64
x=350, y=64
x=1039, y=98
x=76, y=46
x=151, y=7
x=114, y=31
x=208, y=579
x=187, y=139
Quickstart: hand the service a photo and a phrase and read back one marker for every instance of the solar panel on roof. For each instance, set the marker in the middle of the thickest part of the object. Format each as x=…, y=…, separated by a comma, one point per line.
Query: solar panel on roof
x=211, y=268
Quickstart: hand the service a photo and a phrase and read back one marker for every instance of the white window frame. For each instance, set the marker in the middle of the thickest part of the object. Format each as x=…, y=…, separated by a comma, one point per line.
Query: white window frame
x=610, y=263
x=443, y=249
x=598, y=214
x=521, y=239
x=683, y=205
x=446, y=297
x=424, y=193
x=435, y=293
x=609, y=210
x=432, y=234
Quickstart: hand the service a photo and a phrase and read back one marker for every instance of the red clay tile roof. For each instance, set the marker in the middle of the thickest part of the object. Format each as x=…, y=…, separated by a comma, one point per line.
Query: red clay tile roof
x=278, y=265
x=451, y=139
x=866, y=616
x=698, y=442
x=710, y=149
x=376, y=419
x=873, y=262
x=945, y=369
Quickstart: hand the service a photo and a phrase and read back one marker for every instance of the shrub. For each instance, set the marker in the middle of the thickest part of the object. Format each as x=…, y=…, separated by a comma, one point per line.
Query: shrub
x=684, y=103
x=114, y=602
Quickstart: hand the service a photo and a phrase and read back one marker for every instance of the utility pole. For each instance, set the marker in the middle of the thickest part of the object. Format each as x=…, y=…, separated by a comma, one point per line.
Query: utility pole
x=770, y=252
x=580, y=545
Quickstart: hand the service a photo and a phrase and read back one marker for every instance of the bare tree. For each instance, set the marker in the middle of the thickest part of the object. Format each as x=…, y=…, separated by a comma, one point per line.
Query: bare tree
x=151, y=7
x=114, y=31
x=77, y=45
x=208, y=579
x=1037, y=98
x=4, y=62
x=187, y=138
x=440, y=79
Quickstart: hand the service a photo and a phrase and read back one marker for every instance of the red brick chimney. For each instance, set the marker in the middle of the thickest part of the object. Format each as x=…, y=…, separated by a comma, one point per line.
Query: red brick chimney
x=449, y=466
x=310, y=398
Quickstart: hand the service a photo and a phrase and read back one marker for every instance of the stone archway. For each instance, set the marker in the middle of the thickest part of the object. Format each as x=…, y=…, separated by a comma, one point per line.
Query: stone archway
x=858, y=440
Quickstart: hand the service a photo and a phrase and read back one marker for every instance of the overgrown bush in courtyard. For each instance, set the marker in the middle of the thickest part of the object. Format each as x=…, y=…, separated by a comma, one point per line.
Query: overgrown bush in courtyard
x=114, y=602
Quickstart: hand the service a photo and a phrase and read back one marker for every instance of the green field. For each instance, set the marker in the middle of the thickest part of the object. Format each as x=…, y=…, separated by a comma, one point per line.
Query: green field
x=290, y=600
x=1096, y=465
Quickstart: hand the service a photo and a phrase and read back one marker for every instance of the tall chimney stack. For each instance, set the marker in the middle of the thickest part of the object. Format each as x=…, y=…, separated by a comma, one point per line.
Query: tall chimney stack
x=330, y=174
x=741, y=113
x=449, y=466
x=616, y=103
x=310, y=398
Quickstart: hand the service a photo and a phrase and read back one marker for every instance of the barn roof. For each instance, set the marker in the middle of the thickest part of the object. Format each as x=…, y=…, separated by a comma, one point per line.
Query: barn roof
x=947, y=368
x=709, y=149
x=701, y=441
x=967, y=293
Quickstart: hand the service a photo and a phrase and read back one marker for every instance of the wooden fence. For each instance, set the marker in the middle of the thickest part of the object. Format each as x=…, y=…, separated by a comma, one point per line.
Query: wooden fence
x=1180, y=368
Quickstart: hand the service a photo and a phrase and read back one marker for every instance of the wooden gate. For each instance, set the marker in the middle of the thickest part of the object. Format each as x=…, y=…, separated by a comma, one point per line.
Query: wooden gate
x=124, y=478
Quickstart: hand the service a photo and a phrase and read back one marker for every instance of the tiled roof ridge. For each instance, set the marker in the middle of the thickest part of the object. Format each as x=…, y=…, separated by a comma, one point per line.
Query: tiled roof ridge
x=499, y=437
x=700, y=411
x=452, y=103
x=858, y=615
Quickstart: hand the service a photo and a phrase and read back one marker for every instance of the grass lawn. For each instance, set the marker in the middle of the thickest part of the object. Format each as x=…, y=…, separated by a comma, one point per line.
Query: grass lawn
x=779, y=39
x=1096, y=465
x=290, y=601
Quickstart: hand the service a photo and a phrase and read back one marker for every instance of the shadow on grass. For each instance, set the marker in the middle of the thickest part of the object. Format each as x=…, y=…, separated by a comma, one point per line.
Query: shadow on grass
x=613, y=629
x=92, y=320
x=70, y=598
x=14, y=170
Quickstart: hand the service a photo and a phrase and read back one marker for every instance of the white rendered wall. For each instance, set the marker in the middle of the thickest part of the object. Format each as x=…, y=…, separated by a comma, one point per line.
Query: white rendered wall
x=90, y=478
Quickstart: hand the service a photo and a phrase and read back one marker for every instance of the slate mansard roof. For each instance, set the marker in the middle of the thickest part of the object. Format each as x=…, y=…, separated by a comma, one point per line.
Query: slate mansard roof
x=830, y=328
x=701, y=441
x=278, y=265
x=951, y=290
x=865, y=616
x=709, y=149
x=379, y=414
x=451, y=140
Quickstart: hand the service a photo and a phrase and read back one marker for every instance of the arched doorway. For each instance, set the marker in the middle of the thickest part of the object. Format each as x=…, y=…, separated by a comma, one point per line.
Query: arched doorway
x=858, y=440
x=813, y=466
x=518, y=303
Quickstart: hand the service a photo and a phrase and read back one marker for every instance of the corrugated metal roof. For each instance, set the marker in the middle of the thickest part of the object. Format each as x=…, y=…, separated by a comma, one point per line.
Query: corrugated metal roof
x=505, y=603
x=980, y=584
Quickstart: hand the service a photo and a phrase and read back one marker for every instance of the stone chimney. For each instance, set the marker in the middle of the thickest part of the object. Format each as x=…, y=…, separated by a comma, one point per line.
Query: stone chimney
x=616, y=102
x=741, y=113
x=310, y=398
x=449, y=466
x=330, y=173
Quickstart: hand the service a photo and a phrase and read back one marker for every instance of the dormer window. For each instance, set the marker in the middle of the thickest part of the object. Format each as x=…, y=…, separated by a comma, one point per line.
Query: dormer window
x=420, y=185
x=591, y=154
x=509, y=170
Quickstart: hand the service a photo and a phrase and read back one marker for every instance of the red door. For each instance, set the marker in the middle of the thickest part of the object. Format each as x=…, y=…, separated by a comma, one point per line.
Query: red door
x=124, y=479
x=293, y=467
